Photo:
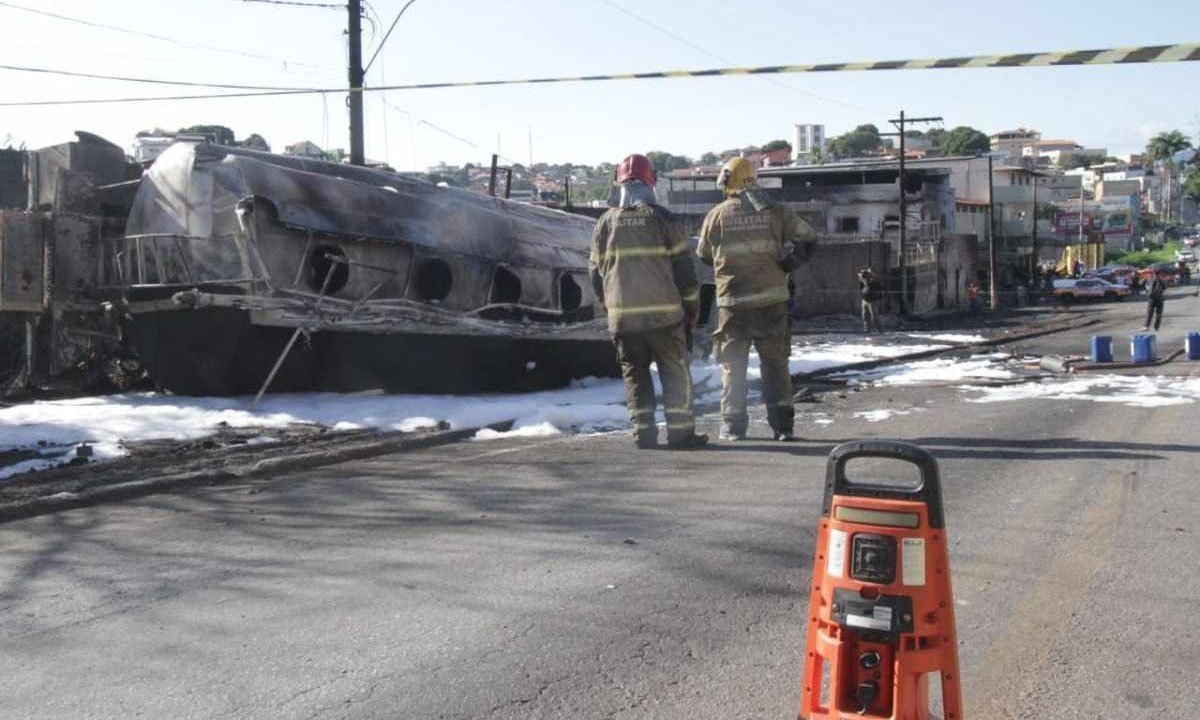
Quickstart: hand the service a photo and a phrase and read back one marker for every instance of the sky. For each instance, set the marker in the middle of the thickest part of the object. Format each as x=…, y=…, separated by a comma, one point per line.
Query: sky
x=255, y=43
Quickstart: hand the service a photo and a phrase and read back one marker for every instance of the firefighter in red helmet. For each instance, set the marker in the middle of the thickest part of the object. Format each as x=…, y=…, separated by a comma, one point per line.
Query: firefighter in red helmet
x=641, y=267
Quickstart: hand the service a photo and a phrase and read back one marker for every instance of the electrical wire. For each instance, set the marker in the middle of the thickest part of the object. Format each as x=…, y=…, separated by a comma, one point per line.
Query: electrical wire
x=151, y=81
x=295, y=3
x=152, y=36
x=718, y=58
x=387, y=35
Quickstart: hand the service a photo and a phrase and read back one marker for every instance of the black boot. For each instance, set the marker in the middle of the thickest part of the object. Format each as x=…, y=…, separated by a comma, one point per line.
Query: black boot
x=688, y=442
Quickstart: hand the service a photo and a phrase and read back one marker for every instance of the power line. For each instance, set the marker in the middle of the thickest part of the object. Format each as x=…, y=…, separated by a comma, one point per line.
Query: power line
x=295, y=3
x=444, y=131
x=387, y=35
x=151, y=81
x=152, y=36
x=718, y=58
x=1109, y=56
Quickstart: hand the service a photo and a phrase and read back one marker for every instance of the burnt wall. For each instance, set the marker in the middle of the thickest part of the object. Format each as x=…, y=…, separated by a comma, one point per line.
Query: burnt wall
x=14, y=193
x=957, y=263
x=828, y=283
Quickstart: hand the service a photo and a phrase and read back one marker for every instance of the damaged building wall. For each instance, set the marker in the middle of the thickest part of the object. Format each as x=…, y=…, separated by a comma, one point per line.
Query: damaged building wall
x=957, y=267
x=14, y=190
x=828, y=283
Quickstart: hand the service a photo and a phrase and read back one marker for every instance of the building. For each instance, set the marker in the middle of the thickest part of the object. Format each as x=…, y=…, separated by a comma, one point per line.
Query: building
x=1010, y=143
x=1038, y=148
x=1113, y=188
x=1057, y=187
x=807, y=142
x=1052, y=152
x=854, y=207
x=1112, y=219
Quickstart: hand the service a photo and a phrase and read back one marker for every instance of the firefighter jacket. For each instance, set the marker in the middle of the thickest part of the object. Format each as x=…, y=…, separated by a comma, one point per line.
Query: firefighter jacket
x=641, y=266
x=750, y=250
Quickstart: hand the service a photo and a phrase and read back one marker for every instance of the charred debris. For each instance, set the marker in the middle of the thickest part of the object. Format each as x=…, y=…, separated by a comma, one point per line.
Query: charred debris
x=225, y=271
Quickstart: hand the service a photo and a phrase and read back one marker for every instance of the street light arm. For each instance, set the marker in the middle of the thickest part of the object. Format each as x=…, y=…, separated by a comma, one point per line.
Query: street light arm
x=386, y=35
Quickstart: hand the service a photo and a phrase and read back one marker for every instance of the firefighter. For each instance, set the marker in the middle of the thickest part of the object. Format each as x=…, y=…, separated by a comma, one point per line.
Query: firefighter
x=753, y=245
x=640, y=265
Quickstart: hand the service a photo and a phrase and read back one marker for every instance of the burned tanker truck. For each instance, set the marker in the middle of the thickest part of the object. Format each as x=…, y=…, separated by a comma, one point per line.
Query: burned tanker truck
x=236, y=271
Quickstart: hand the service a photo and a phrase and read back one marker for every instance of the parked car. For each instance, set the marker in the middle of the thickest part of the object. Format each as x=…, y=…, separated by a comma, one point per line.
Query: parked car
x=1186, y=255
x=1191, y=241
x=1119, y=274
x=1170, y=269
x=1089, y=289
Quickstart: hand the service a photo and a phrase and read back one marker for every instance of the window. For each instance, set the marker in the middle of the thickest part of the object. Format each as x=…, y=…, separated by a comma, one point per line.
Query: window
x=570, y=295
x=847, y=224
x=506, y=287
x=321, y=260
x=433, y=280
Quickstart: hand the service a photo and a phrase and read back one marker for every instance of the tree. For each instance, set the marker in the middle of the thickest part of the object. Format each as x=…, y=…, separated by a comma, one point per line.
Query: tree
x=860, y=141
x=964, y=140
x=937, y=136
x=709, y=158
x=1070, y=161
x=156, y=132
x=665, y=162
x=776, y=145
x=1165, y=144
x=1191, y=185
x=254, y=141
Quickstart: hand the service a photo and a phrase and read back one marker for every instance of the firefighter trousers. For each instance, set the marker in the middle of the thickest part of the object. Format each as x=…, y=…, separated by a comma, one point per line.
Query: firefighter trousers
x=768, y=329
x=667, y=348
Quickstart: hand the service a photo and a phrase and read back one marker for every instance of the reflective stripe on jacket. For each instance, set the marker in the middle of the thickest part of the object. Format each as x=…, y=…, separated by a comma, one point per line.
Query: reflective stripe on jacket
x=641, y=266
x=746, y=246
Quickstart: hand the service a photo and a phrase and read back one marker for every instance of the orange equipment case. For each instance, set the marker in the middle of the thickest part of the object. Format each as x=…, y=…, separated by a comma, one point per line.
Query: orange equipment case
x=881, y=614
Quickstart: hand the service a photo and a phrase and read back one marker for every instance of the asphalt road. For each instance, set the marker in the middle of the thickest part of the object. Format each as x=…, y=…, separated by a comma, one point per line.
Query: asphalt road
x=577, y=578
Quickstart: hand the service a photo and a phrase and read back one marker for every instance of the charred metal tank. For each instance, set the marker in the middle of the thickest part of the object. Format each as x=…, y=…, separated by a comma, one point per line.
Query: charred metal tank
x=240, y=269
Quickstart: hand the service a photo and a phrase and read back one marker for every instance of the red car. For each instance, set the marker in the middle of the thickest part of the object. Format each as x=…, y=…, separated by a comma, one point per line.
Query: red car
x=1169, y=269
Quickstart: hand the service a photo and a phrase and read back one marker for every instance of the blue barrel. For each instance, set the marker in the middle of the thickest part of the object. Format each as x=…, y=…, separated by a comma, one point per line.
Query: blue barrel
x=1141, y=348
x=1102, y=348
x=1193, y=345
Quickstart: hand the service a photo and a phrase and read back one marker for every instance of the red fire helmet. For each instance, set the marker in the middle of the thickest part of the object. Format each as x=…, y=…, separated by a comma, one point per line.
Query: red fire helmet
x=636, y=167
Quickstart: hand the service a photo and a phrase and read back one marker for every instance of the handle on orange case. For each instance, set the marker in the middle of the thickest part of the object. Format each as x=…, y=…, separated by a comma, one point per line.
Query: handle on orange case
x=929, y=491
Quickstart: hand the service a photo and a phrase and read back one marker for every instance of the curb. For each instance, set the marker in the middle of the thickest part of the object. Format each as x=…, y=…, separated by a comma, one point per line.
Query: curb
x=381, y=445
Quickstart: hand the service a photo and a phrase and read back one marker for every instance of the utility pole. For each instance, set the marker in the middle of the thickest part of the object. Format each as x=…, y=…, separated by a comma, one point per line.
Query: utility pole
x=1080, y=213
x=994, y=297
x=354, y=29
x=903, y=261
x=1036, y=259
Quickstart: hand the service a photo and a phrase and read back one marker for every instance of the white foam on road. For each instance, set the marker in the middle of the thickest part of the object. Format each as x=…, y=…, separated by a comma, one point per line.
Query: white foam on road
x=884, y=414
x=1129, y=390
x=107, y=423
x=809, y=358
x=936, y=371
